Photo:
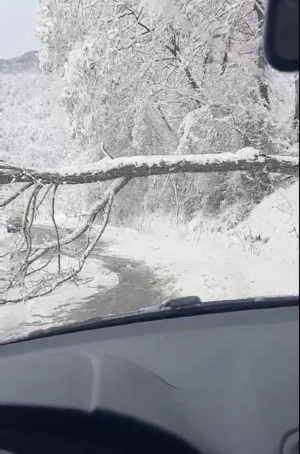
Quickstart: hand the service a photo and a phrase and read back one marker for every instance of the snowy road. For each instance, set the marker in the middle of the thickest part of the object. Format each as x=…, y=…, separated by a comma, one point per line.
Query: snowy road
x=135, y=290
x=135, y=287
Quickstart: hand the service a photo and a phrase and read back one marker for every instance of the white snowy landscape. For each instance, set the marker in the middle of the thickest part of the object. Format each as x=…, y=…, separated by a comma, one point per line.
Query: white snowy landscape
x=148, y=152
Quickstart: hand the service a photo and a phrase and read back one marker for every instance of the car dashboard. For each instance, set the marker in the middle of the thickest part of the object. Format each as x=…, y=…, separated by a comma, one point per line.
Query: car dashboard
x=223, y=381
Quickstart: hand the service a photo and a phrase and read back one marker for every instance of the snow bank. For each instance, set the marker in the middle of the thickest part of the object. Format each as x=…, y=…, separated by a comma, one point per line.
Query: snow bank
x=275, y=222
x=224, y=266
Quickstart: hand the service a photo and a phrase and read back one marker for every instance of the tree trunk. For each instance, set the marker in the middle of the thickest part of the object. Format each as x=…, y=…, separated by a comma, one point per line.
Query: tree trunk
x=296, y=118
x=143, y=166
x=261, y=60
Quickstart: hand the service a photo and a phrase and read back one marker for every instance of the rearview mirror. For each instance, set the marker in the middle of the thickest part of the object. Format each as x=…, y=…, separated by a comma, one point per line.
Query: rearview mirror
x=282, y=35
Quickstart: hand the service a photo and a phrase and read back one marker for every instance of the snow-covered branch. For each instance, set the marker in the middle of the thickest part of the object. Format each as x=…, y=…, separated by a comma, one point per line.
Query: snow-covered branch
x=141, y=166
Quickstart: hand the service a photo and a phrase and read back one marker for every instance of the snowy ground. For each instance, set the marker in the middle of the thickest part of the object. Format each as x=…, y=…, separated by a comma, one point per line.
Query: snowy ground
x=259, y=258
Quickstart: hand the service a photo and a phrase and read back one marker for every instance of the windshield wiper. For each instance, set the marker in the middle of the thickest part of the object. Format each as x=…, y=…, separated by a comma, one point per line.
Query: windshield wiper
x=179, y=303
x=174, y=308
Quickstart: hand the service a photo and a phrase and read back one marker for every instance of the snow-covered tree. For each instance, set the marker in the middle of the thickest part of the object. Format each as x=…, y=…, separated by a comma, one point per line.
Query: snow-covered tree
x=31, y=133
x=121, y=61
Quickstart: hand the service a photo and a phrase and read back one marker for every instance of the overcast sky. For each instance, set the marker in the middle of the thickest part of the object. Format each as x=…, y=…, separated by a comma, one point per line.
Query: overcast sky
x=17, y=27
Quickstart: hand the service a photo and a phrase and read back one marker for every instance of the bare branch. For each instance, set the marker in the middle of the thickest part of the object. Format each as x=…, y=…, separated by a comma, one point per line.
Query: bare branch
x=27, y=224
x=15, y=195
x=165, y=120
x=71, y=274
x=26, y=221
x=104, y=151
x=41, y=268
x=98, y=206
x=56, y=228
x=131, y=12
x=44, y=196
x=92, y=4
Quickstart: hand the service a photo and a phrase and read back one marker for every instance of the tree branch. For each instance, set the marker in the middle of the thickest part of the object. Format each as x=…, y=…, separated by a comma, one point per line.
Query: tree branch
x=56, y=228
x=131, y=12
x=27, y=224
x=15, y=195
x=49, y=287
x=98, y=206
x=43, y=197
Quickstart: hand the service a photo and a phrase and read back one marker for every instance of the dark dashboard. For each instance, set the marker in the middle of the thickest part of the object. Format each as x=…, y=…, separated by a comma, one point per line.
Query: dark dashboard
x=218, y=381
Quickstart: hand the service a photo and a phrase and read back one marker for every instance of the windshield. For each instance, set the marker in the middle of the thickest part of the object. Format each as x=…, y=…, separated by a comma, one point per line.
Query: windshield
x=148, y=152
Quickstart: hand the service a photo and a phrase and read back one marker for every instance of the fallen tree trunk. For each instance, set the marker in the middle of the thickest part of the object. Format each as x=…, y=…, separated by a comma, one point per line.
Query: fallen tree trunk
x=142, y=166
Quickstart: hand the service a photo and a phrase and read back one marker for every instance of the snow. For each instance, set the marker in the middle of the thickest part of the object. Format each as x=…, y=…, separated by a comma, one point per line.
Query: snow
x=55, y=309
x=248, y=153
x=209, y=269
x=277, y=218
x=224, y=266
x=168, y=8
x=294, y=150
x=185, y=130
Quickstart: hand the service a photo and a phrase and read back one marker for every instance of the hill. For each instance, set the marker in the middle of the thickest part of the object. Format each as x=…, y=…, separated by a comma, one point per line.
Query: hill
x=26, y=63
